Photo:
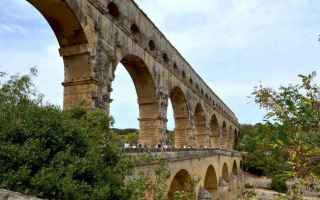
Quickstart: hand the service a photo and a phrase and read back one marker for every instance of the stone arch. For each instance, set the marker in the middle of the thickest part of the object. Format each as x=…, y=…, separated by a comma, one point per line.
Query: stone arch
x=235, y=170
x=230, y=138
x=241, y=165
x=224, y=135
x=235, y=138
x=65, y=24
x=182, y=182
x=200, y=125
x=149, y=120
x=79, y=84
x=225, y=173
x=181, y=116
x=113, y=10
x=211, y=181
x=215, y=132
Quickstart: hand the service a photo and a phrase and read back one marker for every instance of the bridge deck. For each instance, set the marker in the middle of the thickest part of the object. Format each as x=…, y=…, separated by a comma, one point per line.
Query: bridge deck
x=172, y=155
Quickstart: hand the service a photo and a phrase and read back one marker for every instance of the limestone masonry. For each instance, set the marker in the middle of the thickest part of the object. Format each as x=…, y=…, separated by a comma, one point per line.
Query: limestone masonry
x=96, y=35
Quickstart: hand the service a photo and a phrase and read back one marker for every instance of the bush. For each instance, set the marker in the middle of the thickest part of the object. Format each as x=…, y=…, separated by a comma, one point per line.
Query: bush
x=279, y=184
x=55, y=154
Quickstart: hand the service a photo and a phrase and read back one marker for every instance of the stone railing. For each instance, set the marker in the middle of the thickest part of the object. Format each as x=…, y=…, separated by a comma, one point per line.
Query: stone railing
x=171, y=154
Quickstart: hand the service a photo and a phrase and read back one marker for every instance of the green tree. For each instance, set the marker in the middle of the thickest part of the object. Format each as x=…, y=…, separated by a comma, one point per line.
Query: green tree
x=286, y=145
x=57, y=154
x=293, y=117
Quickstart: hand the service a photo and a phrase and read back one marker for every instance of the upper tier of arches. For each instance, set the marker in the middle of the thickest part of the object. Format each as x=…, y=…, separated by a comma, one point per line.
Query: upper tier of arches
x=95, y=36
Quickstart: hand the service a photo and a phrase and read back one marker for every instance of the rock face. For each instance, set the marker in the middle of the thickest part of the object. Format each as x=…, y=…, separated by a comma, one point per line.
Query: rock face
x=8, y=195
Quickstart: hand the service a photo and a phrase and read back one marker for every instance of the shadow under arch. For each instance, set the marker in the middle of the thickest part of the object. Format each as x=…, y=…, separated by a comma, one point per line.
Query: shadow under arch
x=211, y=180
x=79, y=85
x=235, y=139
x=230, y=138
x=182, y=182
x=235, y=170
x=181, y=116
x=200, y=123
x=149, y=121
x=224, y=138
x=215, y=132
x=225, y=173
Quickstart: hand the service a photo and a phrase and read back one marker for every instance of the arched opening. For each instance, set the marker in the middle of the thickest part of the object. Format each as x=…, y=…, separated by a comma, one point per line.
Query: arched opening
x=165, y=57
x=152, y=45
x=124, y=108
x=64, y=23
x=73, y=48
x=230, y=138
x=182, y=182
x=210, y=181
x=224, y=138
x=236, y=138
x=113, y=10
x=170, y=135
x=134, y=29
x=215, y=133
x=235, y=170
x=200, y=123
x=149, y=122
x=242, y=166
x=181, y=117
x=225, y=174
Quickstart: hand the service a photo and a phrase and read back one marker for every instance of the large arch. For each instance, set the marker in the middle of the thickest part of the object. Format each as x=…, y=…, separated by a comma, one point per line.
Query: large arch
x=224, y=137
x=182, y=182
x=215, y=132
x=200, y=123
x=149, y=121
x=211, y=181
x=236, y=138
x=181, y=117
x=235, y=169
x=225, y=173
x=79, y=84
x=65, y=24
x=230, y=138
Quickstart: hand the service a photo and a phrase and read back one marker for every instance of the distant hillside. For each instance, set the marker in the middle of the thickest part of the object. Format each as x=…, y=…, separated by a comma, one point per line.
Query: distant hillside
x=125, y=131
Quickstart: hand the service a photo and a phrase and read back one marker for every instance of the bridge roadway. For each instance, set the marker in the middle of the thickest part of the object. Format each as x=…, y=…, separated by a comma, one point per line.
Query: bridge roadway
x=216, y=172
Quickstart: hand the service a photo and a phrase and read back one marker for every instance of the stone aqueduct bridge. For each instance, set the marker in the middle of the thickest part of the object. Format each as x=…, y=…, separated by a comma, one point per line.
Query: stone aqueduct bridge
x=96, y=35
x=213, y=174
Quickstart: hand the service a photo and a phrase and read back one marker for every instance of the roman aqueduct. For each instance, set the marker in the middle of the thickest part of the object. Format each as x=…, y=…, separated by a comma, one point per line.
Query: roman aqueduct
x=96, y=35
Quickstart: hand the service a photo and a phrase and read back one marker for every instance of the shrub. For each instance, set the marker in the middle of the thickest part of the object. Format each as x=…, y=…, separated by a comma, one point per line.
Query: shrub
x=56, y=154
x=279, y=184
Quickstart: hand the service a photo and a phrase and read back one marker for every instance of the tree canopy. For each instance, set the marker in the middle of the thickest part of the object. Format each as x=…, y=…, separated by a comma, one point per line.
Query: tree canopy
x=287, y=142
x=56, y=154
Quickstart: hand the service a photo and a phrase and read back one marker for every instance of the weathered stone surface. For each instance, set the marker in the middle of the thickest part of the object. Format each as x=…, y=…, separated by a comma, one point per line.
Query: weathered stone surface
x=9, y=195
x=216, y=171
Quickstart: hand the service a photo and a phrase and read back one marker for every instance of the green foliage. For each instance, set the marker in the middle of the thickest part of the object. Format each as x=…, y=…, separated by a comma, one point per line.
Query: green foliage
x=162, y=175
x=279, y=184
x=121, y=139
x=287, y=143
x=138, y=185
x=55, y=154
x=249, y=194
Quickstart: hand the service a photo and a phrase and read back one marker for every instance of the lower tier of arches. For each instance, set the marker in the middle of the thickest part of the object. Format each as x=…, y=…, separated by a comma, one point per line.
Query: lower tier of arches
x=208, y=177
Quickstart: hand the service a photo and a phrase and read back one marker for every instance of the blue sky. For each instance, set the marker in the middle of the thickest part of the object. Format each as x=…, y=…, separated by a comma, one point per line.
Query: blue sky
x=233, y=44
